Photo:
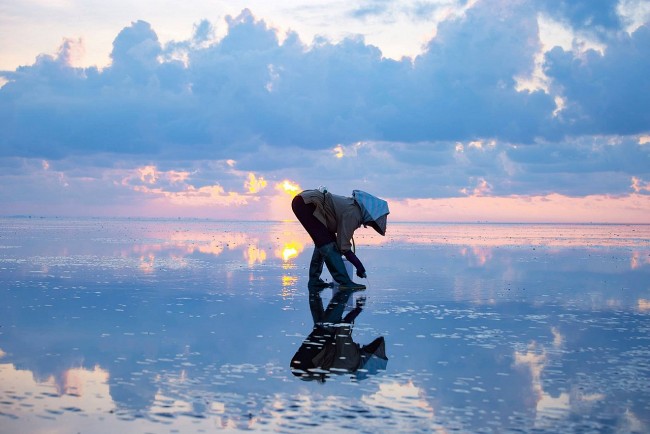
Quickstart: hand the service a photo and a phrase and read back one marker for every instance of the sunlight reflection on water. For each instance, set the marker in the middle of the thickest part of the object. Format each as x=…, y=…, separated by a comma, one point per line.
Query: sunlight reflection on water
x=162, y=326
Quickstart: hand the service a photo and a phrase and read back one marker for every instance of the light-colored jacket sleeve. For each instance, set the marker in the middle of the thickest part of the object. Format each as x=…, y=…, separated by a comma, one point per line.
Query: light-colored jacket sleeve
x=348, y=223
x=348, y=219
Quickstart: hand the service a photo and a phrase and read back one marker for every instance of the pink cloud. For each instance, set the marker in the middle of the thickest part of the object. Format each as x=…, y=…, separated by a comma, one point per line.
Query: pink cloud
x=209, y=195
x=552, y=208
x=638, y=185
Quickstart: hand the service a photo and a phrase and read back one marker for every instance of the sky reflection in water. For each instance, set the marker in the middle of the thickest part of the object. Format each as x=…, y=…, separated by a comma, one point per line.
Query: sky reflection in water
x=156, y=326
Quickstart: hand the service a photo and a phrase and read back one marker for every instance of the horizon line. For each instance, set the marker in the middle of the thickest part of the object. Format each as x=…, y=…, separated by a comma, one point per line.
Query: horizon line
x=464, y=222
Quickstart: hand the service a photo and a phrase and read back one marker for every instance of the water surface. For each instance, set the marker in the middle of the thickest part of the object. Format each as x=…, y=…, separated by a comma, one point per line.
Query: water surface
x=163, y=326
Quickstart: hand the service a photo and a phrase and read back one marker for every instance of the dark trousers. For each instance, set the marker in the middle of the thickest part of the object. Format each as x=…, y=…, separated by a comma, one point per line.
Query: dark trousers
x=316, y=230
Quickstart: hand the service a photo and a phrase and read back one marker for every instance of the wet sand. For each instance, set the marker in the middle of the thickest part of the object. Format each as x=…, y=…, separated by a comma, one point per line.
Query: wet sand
x=164, y=326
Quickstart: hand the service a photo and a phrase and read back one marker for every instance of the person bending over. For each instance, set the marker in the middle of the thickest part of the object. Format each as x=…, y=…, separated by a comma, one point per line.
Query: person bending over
x=330, y=220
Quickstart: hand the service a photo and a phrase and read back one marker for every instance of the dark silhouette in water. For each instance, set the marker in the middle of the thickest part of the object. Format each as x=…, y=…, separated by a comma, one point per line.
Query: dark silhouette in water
x=329, y=348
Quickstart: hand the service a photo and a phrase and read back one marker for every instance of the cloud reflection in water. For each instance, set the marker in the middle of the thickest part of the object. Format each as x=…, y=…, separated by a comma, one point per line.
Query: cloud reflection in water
x=520, y=330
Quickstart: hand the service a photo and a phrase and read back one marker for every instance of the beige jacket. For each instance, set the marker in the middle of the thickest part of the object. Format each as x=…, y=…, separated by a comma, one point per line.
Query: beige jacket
x=339, y=214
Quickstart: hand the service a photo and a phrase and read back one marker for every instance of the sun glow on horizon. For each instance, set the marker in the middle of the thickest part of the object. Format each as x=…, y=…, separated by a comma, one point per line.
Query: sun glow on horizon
x=289, y=187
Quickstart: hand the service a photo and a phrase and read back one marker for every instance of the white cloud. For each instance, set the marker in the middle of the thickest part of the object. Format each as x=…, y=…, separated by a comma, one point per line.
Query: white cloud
x=245, y=99
x=634, y=13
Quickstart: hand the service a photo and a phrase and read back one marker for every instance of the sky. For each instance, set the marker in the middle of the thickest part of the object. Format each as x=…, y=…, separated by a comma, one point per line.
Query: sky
x=452, y=110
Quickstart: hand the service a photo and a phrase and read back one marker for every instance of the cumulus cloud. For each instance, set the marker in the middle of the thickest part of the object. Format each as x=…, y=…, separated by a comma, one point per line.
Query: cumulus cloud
x=585, y=15
x=255, y=184
x=220, y=120
x=249, y=89
x=604, y=92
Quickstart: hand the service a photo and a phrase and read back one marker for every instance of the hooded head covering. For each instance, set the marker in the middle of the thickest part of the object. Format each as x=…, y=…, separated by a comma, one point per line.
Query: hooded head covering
x=374, y=210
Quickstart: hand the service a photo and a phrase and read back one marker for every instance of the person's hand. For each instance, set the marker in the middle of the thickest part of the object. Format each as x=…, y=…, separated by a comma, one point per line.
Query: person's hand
x=361, y=302
x=362, y=274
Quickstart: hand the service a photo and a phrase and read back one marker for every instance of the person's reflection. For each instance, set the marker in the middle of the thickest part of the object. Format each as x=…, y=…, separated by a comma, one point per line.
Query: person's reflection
x=329, y=348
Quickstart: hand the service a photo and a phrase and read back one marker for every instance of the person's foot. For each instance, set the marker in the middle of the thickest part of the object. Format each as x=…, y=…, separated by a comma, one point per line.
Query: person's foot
x=318, y=283
x=352, y=286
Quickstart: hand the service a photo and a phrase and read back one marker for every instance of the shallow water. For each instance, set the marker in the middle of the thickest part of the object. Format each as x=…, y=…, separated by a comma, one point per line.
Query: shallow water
x=137, y=326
